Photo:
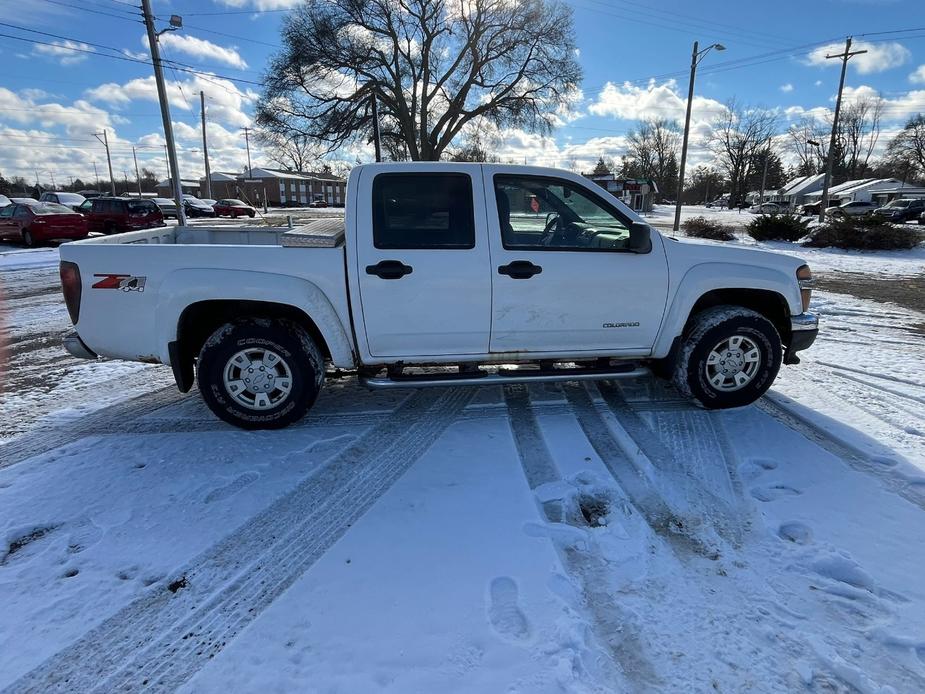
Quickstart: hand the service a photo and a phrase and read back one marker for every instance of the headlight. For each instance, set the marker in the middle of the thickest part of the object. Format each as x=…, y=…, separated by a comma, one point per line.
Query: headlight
x=806, y=282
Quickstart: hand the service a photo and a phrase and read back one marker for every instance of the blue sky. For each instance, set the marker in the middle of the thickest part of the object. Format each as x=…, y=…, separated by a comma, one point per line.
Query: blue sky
x=635, y=57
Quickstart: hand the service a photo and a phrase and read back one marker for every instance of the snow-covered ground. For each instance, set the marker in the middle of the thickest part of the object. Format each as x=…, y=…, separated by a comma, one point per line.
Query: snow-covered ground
x=556, y=538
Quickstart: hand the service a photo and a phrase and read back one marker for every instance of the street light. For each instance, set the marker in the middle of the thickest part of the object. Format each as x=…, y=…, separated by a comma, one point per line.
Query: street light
x=696, y=57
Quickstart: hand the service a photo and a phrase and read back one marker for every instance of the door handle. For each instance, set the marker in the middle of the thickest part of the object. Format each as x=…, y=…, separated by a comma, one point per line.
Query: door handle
x=389, y=269
x=520, y=270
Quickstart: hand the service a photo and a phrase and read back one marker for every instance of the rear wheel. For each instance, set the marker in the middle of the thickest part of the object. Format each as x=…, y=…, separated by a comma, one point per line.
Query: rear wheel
x=729, y=357
x=109, y=228
x=250, y=214
x=28, y=239
x=260, y=374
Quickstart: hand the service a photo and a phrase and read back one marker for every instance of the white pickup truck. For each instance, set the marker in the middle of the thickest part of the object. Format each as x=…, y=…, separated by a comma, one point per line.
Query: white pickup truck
x=439, y=274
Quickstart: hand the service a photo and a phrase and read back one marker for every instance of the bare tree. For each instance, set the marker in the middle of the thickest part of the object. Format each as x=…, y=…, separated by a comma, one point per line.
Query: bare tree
x=432, y=65
x=653, y=153
x=295, y=152
x=907, y=149
x=738, y=134
x=799, y=135
x=858, y=133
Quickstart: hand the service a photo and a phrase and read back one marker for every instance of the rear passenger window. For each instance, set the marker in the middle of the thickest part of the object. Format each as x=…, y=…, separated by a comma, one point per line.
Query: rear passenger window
x=423, y=210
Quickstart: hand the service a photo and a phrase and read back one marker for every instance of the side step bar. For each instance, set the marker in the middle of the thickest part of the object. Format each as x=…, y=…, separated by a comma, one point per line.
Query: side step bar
x=504, y=376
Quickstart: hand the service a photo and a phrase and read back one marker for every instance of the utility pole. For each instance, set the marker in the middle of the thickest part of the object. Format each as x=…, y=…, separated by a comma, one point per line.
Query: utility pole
x=376, y=138
x=764, y=173
x=205, y=148
x=96, y=175
x=175, y=23
x=137, y=175
x=105, y=142
x=247, y=143
x=696, y=57
x=831, y=158
x=54, y=186
x=166, y=161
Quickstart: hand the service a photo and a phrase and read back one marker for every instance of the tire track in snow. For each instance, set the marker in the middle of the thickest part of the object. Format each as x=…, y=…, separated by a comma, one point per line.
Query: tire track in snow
x=42, y=440
x=616, y=629
x=772, y=405
x=698, y=455
x=637, y=486
x=161, y=639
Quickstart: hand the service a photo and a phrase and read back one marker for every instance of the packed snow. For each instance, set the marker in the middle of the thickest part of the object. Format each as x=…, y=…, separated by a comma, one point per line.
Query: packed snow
x=552, y=538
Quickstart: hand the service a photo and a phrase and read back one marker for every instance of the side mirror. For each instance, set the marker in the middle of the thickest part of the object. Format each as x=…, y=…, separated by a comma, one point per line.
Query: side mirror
x=640, y=237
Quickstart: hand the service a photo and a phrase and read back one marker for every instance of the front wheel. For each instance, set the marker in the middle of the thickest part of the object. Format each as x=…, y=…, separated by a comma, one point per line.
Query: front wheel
x=28, y=239
x=260, y=374
x=729, y=357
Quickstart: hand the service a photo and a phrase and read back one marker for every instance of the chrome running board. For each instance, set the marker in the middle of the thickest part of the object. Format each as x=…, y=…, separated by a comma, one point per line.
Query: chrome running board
x=502, y=377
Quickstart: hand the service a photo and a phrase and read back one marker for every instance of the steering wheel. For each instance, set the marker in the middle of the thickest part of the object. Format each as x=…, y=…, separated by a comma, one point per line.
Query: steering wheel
x=549, y=232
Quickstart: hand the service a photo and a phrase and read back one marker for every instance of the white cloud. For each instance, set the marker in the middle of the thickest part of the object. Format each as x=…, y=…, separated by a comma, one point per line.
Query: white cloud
x=225, y=103
x=786, y=88
x=879, y=56
x=200, y=48
x=262, y=4
x=65, y=52
x=632, y=102
x=918, y=77
x=79, y=117
x=818, y=83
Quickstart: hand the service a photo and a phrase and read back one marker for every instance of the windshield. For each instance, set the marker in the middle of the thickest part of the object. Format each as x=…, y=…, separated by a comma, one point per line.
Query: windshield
x=50, y=208
x=163, y=201
x=70, y=198
x=899, y=203
x=235, y=202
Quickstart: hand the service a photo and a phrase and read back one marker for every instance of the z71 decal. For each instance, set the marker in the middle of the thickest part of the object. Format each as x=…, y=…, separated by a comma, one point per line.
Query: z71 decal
x=127, y=283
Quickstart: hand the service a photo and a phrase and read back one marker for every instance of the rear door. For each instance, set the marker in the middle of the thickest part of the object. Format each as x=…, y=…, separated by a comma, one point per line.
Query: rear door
x=422, y=261
x=564, y=278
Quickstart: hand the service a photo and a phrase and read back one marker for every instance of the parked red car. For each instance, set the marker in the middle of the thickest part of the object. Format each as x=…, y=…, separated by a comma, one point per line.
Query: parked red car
x=34, y=223
x=115, y=215
x=233, y=208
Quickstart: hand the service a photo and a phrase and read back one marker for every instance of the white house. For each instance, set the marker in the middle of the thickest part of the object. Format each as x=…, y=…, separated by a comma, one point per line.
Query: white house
x=859, y=190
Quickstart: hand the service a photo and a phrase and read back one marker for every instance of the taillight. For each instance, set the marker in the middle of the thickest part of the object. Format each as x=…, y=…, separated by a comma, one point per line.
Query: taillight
x=806, y=282
x=70, y=285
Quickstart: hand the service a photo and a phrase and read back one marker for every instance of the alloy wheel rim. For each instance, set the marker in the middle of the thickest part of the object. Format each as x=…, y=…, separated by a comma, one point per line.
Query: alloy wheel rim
x=257, y=378
x=733, y=363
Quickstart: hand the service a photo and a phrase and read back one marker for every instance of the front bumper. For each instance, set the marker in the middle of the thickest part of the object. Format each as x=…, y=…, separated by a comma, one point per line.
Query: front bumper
x=803, y=331
x=76, y=347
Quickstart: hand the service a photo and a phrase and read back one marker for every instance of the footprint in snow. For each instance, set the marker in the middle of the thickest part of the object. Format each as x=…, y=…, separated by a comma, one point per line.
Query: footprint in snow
x=795, y=532
x=233, y=487
x=772, y=492
x=504, y=612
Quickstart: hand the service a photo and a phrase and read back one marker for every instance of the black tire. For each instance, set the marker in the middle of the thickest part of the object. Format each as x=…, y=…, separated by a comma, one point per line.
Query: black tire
x=708, y=331
x=109, y=228
x=250, y=214
x=27, y=239
x=298, y=353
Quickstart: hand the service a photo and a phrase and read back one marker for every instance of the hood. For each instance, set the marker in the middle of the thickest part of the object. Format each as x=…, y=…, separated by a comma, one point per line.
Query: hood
x=694, y=253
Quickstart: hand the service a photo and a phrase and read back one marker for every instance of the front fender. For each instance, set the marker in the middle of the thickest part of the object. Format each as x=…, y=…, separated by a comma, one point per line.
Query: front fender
x=184, y=288
x=706, y=277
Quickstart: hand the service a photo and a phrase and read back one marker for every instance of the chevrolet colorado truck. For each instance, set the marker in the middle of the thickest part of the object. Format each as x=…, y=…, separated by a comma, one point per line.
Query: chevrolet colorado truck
x=438, y=274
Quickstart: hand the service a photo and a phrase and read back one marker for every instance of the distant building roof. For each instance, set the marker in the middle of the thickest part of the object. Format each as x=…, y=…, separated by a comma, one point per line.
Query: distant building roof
x=261, y=172
x=166, y=183
x=799, y=186
x=858, y=185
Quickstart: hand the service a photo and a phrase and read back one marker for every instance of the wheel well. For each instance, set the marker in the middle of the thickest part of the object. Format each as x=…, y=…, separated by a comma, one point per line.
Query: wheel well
x=198, y=321
x=769, y=304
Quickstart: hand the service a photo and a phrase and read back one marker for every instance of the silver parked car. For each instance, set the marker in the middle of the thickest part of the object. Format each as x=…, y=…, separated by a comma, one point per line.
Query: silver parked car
x=167, y=207
x=855, y=208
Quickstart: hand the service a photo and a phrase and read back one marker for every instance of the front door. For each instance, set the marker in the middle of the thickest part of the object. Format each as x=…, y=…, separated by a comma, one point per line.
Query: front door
x=563, y=276
x=8, y=229
x=422, y=262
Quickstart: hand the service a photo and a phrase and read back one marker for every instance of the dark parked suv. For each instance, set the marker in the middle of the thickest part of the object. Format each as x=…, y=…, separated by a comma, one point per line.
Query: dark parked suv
x=114, y=215
x=901, y=210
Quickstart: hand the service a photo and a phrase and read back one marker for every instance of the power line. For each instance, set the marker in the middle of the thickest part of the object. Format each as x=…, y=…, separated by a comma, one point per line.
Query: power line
x=88, y=9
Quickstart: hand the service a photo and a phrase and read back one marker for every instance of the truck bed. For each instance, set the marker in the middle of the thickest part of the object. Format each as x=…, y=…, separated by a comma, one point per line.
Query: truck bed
x=166, y=269
x=319, y=233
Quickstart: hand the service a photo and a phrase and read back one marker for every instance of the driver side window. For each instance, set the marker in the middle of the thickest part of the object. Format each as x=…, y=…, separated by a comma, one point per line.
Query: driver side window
x=539, y=213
